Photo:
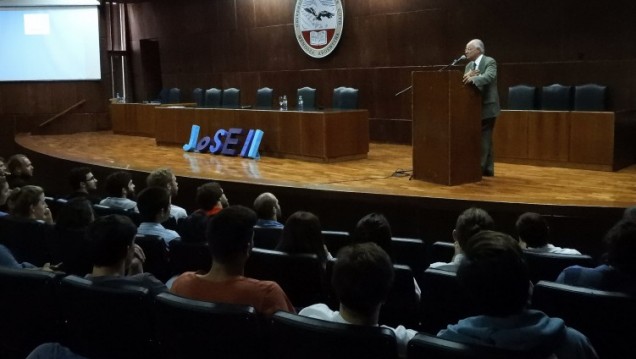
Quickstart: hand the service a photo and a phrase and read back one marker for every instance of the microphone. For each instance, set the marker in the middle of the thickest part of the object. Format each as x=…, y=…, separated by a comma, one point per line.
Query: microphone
x=463, y=57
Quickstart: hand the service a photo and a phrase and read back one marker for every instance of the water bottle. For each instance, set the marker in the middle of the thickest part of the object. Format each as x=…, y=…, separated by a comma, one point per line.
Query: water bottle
x=300, y=103
x=284, y=102
x=118, y=98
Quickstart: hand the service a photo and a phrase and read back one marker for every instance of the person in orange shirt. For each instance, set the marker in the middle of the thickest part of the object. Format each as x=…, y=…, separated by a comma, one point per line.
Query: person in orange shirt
x=230, y=238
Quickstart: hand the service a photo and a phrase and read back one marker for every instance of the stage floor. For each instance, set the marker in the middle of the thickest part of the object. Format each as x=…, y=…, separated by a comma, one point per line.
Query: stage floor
x=375, y=174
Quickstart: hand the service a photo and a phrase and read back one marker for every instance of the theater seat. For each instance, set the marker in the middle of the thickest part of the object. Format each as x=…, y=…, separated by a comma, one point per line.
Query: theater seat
x=185, y=256
x=157, y=259
x=548, y=266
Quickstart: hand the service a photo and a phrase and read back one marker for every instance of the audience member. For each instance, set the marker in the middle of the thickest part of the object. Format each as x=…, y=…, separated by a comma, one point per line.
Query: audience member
x=20, y=171
x=470, y=222
x=154, y=207
x=4, y=194
x=115, y=255
x=3, y=167
x=230, y=236
x=28, y=203
x=209, y=198
x=84, y=184
x=534, y=234
x=618, y=273
x=120, y=189
x=362, y=278
x=302, y=234
x=268, y=211
x=497, y=281
x=163, y=177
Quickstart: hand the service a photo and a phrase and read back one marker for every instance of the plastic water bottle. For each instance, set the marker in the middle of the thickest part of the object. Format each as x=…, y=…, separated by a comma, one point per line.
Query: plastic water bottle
x=284, y=102
x=300, y=103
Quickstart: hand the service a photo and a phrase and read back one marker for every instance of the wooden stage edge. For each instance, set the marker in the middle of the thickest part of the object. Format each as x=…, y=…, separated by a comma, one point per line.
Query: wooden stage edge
x=513, y=184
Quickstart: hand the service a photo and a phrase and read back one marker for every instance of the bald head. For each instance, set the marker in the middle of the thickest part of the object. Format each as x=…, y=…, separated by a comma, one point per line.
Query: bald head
x=474, y=48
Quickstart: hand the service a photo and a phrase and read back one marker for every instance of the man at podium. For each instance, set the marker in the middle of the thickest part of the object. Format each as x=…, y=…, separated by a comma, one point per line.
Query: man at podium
x=481, y=71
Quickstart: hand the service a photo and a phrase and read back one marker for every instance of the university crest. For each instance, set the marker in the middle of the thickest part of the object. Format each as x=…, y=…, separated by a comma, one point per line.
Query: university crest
x=318, y=25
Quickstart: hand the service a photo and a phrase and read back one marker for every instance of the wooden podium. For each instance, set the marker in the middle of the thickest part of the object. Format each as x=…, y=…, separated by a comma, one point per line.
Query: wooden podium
x=446, y=128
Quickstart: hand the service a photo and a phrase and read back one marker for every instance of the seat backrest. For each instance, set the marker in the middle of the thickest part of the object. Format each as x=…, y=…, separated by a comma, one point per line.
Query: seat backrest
x=345, y=98
x=522, y=97
x=197, y=96
x=299, y=275
x=106, y=322
x=590, y=97
x=212, y=97
x=231, y=98
x=548, y=266
x=188, y=328
x=264, y=97
x=28, y=240
x=309, y=97
x=556, y=97
x=443, y=301
x=101, y=211
x=608, y=319
x=189, y=256
x=334, y=240
x=267, y=237
x=29, y=310
x=70, y=247
x=426, y=346
x=174, y=95
x=295, y=336
x=402, y=304
x=441, y=252
x=157, y=259
x=411, y=252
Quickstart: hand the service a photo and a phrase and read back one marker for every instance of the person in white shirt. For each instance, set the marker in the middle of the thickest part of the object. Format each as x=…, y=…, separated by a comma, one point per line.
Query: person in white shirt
x=362, y=278
x=534, y=233
x=163, y=177
x=154, y=207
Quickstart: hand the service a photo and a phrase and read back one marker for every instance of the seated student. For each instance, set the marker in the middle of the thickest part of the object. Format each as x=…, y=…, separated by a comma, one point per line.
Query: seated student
x=211, y=200
x=230, y=237
x=28, y=203
x=468, y=223
x=20, y=171
x=120, y=189
x=163, y=177
x=3, y=168
x=268, y=211
x=154, y=207
x=84, y=184
x=618, y=273
x=497, y=281
x=302, y=234
x=4, y=194
x=361, y=278
x=116, y=259
x=533, y=232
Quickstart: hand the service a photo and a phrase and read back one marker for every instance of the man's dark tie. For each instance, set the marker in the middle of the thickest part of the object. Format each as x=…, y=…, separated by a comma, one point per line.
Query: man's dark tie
x=474, y=66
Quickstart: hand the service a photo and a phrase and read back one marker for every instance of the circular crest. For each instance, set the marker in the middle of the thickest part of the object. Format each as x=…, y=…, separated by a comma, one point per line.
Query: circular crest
x=318, y=26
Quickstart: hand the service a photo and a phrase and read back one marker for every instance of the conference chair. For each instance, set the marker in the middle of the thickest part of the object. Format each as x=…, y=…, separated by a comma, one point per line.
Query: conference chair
x=162, y=97
x=522, y=97
x=548, y=266
x=157, y=259
x=212, y=97
x=443, y=301
x=106, y=322
x=608, y=319
x=590, y=97
x=174, y=95
x=299, y=275
x=345, y=98
x=264, y=98
x=29, y=310
x=231, y=98
x=309, y=97
x=186, y=257
x=295, y=336
x=188, y=328
x=197, y=96
x=556, y=97
x=267, y=237
x=424, y=346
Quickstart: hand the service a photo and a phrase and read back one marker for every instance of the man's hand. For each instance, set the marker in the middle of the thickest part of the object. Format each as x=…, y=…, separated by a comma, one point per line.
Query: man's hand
x=468, y=77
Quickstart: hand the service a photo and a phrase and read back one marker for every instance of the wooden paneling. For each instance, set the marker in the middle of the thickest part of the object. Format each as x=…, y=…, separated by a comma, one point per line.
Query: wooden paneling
x=549, y=136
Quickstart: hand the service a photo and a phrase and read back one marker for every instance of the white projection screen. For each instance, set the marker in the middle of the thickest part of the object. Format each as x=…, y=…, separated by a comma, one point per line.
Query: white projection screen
x=49, y=43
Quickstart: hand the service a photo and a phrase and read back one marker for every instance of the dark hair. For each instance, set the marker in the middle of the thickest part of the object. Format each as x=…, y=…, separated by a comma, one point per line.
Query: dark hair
x=151, y=200
x=77, y=213
x=374, y=227
x=302, y=234
x=161, y=177
x=77, y=176
x=23, y=198
x=621, y=246
x=533, y=229
x=494, y=274
x=230, y=232
x=208, y=194
x=109, y=238
x=470, y=222
x=265, y=205
x=362, y=277
x=115, y=182
x=15, y=162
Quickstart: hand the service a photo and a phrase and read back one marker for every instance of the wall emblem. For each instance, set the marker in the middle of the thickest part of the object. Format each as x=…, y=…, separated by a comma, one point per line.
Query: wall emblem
x=318, y=26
